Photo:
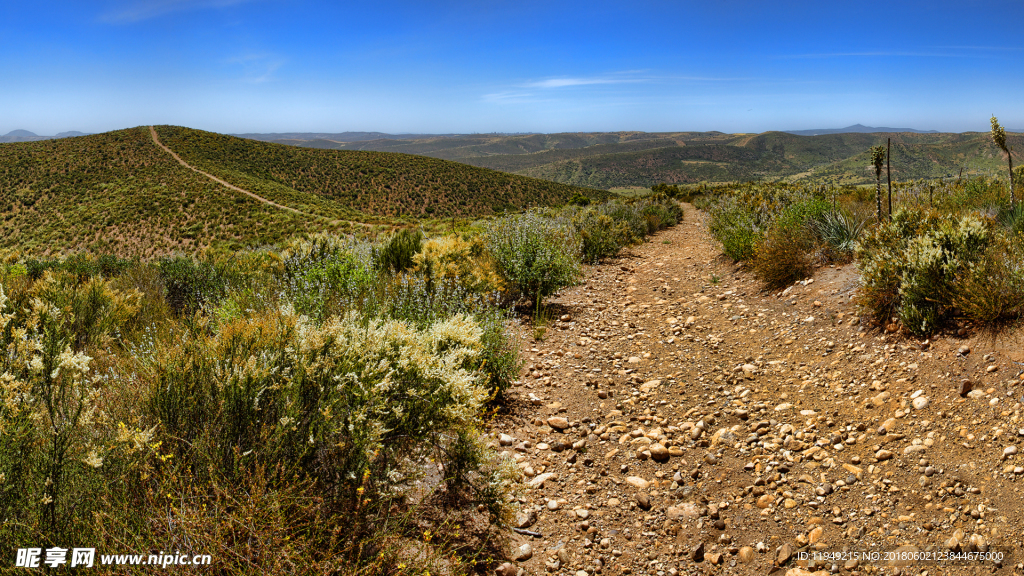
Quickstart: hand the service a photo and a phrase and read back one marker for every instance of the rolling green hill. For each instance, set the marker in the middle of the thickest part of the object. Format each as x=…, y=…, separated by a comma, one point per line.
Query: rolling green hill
x=631, y=159
x=119, y=192
x=384, y=184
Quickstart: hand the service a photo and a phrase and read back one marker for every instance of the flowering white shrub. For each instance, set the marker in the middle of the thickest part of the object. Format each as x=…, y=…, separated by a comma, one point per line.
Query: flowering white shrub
x=51, y=424
x=909, y=266
x=365, y=405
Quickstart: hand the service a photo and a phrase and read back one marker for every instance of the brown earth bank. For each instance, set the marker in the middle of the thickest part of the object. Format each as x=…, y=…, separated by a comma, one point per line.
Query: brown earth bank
x=676, y=419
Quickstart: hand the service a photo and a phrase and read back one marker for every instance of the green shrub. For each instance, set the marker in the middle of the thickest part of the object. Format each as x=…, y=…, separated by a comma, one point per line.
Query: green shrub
x=992, y=290
x=629, y=217
x=453, y=257
x=602, y=236
x=579, y=199
x=737, y=230
x=190, y=285
x=783, y=256
x=669, y=190
x=54, y=434
x=909, y=266
x=325, y=278
x=364, y=408
x=535, y=256
x=110, y=265
x=93, y=309
x=396, y=253
x=658, y=217
x=35, y=268
x=1012, y=218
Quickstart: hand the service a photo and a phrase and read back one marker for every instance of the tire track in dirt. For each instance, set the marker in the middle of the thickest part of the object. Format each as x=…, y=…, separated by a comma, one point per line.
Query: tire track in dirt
x=156, y=140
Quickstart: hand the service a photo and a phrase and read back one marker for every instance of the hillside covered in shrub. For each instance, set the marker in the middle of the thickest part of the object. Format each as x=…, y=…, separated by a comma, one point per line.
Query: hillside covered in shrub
x=383, y=184
x=642, y=159
x=119, y=193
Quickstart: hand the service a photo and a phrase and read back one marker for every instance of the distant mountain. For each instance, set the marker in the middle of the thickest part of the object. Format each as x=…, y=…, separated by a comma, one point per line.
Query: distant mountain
x=641, y=159
x=26, y=136
x=19, y=136
x=335, y=137
x=856, y=129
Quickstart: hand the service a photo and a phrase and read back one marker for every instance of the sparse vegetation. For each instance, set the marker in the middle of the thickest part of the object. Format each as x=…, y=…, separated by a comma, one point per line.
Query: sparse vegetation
x=953, y=252
x=118, y=193
x=322, y=397
x=384, y=184
x=684, y=159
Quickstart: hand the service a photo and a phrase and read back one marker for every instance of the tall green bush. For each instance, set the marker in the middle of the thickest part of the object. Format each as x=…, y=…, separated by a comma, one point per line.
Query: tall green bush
x=395, y=254
x=737, y=229
x=535, y=255
x=190, y=285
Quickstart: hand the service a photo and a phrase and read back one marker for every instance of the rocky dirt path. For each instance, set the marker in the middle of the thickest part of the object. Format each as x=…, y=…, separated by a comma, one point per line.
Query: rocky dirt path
x=675, y=420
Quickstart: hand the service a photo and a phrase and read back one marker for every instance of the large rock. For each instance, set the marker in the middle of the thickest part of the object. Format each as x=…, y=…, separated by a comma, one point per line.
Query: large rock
x=658, y=452
x=650, y=385
x=686, y=511
x=526, y=519
x=558, y=423
x=638, y=482
x=723, y=436
x=523, y=553
x=540, y=480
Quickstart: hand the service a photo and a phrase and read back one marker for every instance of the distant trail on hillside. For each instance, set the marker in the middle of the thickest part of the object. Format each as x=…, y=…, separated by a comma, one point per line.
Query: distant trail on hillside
x=156, y=140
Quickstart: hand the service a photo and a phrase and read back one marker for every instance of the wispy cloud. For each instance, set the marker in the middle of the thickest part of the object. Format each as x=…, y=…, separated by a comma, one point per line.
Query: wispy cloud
x=879, y=54
x=564, y=82
x=630, y=77
x=257, y=68
x=532, y=91
x=512, y=97
x=139, y=10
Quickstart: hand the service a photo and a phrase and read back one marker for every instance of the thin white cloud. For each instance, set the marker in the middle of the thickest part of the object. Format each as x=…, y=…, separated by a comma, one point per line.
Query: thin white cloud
x=882, y=54
x=564, y=82
x=257, y=68
x=621, y=78
x=530, y=91
x=139, y=10
x=511, y=98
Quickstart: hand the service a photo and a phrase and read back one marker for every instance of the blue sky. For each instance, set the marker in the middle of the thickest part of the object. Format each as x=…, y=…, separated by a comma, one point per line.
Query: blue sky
x=429, y=66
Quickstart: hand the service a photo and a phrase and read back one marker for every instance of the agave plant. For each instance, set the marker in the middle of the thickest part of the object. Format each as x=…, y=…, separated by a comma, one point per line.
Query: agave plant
x=840, y=231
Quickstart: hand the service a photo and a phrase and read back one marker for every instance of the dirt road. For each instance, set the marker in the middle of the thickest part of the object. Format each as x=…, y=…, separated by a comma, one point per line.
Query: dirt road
x=675, y=419
x=156, y=140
